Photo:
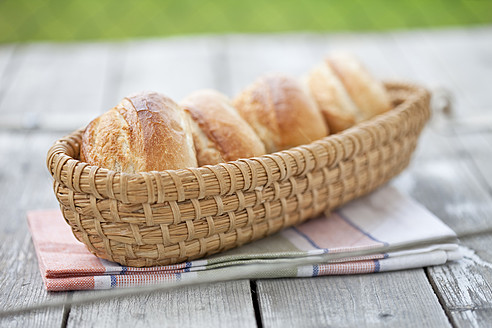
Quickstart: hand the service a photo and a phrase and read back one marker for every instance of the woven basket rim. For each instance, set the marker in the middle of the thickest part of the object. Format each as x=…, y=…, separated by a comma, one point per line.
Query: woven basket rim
x=62, y=163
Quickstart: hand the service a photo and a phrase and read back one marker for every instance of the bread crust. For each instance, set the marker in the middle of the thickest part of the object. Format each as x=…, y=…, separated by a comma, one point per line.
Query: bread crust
x=144, y=132
x=219, y=132
x=280, y=112
x=333, y=100
x=368, y=93
x=345, y=91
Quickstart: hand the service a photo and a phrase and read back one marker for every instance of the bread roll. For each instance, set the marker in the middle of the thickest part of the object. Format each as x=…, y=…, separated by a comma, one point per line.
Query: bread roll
x=345, y=92
x=368, y=94
x=338, y=109
x=144, y=132
x=281, y=112
x=219, y=132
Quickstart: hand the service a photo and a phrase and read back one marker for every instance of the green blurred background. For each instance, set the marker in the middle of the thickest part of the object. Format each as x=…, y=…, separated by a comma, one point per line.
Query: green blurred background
x=64, y=20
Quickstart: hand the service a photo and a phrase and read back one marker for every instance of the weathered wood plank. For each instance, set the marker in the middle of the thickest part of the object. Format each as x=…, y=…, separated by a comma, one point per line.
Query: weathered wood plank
x=295, y=54
x=392, y=299
x=225, y=304
x=55, y=84
x=448, y=178
x=378, y=51
x=174, y=66
x=479, y=148
x=472, y=318
x=435, y=143
x=422, y=65
x=24, y=179
x=456, y=61
x=465, y=55
x=465, y=287
x=252, y=56
x=6, y=54
x=7, y=68
x=25, y=184
x=21, y=285
x=453, y=60
x=450, y=189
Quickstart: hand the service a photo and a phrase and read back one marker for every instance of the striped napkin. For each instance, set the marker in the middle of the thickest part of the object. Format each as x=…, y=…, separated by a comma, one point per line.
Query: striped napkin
x=383, y=231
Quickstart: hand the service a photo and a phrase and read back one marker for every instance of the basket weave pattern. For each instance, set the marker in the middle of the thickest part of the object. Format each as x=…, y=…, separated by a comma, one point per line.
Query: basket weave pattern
x=160, y=218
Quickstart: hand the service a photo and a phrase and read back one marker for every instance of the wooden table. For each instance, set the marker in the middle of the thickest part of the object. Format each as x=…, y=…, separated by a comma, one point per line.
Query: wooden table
x=47, y=90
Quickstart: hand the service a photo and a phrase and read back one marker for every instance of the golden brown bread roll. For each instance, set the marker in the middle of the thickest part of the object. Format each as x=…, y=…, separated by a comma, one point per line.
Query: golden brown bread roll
x=338, y=109
x=368, y=93
x=144, y=132
x=281, y=112
x=219, y=132
x=345, y=91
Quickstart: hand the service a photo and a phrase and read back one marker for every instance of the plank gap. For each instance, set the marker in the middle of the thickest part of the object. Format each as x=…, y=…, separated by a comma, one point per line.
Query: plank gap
x=440, y=299
x=256, y=304
x=66, y=310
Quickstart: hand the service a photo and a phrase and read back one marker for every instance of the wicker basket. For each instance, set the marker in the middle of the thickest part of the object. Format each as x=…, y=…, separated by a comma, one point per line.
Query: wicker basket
x=159, y=218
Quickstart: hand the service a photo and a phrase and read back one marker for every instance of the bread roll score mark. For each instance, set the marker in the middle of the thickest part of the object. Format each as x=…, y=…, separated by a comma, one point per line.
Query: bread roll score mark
x=145, y=132
x=162, y=131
